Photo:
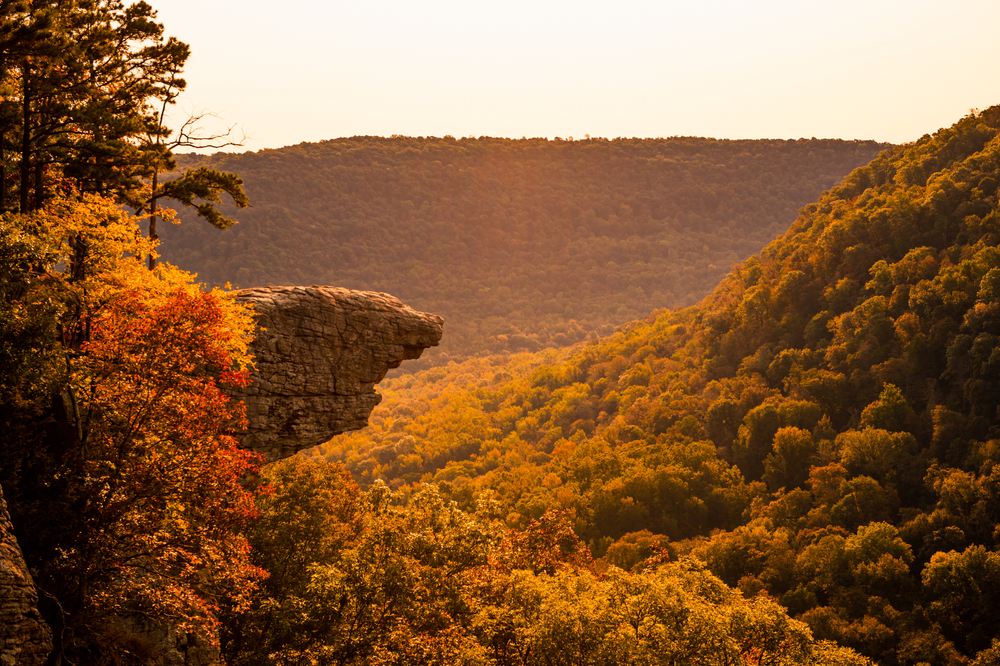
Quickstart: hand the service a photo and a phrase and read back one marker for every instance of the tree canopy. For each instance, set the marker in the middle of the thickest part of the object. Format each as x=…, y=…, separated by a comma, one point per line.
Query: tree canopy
x=361, y=580
x=86, y=85
x=822, y=428
x=518, y=244
x=123, y=484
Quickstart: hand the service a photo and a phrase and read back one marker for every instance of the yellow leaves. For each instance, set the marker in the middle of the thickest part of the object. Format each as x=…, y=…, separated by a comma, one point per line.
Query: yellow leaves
x=149, y=480
x=875, y=452
x=676, y=613
x=430, y=584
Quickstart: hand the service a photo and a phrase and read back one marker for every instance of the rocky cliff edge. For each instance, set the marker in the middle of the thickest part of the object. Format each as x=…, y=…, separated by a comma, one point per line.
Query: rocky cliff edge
x=319, y=353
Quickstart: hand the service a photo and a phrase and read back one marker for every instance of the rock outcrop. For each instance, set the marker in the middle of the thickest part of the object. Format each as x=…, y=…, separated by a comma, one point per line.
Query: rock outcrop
x=319, y=353
x=25, y=640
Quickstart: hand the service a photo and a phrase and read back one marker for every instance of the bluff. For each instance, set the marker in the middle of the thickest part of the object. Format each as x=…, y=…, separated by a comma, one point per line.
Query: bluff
x=319, y=351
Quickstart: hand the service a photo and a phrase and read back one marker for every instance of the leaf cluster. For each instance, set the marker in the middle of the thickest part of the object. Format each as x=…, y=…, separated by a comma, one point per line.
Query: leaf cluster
x=86, y=85
x=123, y=485
x=427, y=583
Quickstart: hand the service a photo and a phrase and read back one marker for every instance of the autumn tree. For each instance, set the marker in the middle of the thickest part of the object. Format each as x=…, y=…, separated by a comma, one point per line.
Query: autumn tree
x=126, y=494
x=309, y=513
x=426, y=583
x=963, y=587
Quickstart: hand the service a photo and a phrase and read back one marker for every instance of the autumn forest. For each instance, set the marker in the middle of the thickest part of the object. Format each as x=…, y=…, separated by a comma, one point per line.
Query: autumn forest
x=698, y=401
x=519, y=244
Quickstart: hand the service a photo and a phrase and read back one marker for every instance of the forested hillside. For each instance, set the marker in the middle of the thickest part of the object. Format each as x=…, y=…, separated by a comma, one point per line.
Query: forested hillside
x=517, y=244
x=823, y=428
x=357, y=579
x=151, y=536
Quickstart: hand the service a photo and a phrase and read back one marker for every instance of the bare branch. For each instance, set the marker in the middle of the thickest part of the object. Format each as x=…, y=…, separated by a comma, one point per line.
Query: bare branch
x=191, y=134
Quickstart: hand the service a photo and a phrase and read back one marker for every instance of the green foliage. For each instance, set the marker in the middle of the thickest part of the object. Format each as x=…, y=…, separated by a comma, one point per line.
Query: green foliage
x=81, y=78
x=876, y=453
x=206, y=185
x=963, y=587
x=427, y=583
x=823, y=428
x=889, y=412
x=315, y=507
x=86, y=85
x=880, y=559
x=29, y=357
x=518, y=244
x=787, y=466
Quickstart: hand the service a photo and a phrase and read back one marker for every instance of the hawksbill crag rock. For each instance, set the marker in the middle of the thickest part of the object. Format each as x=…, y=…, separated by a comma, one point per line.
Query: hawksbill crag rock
x=319, y=351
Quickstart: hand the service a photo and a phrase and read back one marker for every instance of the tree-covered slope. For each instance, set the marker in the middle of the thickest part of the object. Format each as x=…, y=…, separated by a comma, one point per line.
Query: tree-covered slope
x=355, y=579
x=517, y=244
x=824, y=427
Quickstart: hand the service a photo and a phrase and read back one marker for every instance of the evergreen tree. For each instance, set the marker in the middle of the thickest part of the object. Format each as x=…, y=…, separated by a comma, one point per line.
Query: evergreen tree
x=86, y=86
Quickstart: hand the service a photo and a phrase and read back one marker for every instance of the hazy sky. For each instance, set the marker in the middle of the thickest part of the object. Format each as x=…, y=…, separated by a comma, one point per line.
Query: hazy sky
x=308, y=70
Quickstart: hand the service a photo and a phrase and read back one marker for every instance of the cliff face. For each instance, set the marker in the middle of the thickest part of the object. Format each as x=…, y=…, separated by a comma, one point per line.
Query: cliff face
x=25, y=640
x=319, y=353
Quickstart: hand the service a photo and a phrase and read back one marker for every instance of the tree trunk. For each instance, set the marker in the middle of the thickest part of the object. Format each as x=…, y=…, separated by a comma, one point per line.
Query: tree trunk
x=25, y=136
x=3, y=147
x=39, y=182
x=152, y=217
x=3, y=169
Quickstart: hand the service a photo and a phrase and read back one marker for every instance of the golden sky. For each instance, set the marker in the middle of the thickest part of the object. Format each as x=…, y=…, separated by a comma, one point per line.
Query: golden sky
x=308, y=70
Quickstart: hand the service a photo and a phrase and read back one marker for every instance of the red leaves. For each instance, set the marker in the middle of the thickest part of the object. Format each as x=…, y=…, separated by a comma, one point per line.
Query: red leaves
x=163, y=477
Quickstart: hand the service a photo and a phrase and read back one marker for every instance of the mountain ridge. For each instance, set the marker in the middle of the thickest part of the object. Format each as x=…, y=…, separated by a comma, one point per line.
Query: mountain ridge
x=519, y=244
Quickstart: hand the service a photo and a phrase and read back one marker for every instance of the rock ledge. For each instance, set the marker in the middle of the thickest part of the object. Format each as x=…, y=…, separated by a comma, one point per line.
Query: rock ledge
x=319, y=353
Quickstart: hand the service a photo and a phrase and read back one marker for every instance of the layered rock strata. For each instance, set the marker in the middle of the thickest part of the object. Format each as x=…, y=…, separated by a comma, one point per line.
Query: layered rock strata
x=319, y=351
x=25, y=640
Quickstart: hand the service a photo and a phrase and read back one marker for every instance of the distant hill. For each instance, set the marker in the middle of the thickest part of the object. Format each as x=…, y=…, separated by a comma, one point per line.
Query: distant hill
x=519, y=244
x=824, y=428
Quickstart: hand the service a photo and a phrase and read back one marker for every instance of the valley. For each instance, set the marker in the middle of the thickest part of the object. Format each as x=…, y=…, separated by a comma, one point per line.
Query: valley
x=518, y=244
x=822, y=428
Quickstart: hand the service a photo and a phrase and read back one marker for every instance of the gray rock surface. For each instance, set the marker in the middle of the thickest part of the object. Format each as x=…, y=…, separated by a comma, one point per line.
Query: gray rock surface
x=166, y=645
x=25, y=639
x=319, y=353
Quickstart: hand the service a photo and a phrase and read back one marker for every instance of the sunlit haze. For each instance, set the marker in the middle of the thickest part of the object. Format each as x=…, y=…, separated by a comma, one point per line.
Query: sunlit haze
x=308, y=70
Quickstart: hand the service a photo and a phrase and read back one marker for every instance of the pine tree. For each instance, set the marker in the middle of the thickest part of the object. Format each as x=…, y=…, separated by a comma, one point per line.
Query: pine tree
x=86, y=85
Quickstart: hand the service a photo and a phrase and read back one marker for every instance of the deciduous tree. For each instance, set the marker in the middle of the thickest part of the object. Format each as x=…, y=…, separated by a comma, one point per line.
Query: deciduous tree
x=127, y=497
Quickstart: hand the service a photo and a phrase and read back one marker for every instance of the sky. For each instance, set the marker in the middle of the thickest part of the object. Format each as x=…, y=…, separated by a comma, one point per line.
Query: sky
x=309, y=70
